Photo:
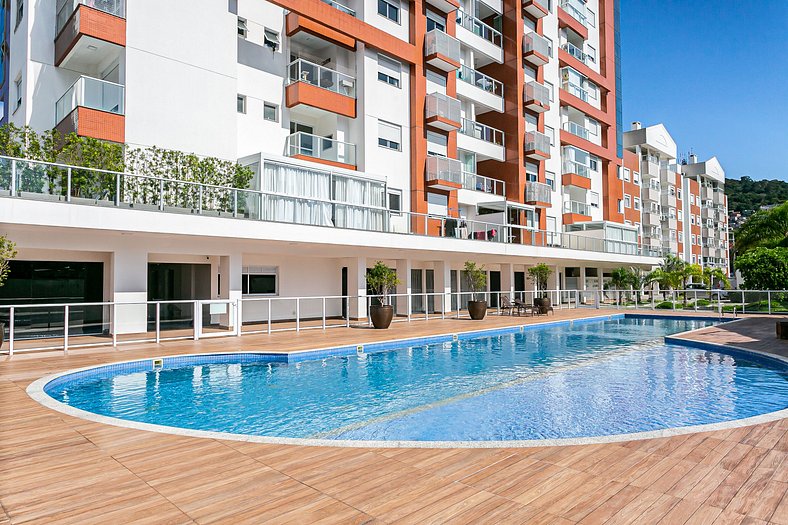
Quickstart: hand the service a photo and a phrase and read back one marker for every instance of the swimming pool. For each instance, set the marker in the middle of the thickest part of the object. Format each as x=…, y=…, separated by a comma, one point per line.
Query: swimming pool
x=586, y=379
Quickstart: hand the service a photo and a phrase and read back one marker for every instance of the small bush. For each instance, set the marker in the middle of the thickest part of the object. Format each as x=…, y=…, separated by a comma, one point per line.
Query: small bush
x=664, y=305
x=702, y=302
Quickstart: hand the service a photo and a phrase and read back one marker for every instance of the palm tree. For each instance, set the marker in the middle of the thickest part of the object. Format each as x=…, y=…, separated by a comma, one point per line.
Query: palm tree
x=686, y=274
x=712, y=276
x=620, y=278
x=639, y=279
x=767, y=228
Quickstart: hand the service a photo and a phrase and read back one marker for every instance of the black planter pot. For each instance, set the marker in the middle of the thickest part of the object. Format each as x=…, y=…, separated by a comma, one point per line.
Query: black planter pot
x=477, y=309
x=381, y=316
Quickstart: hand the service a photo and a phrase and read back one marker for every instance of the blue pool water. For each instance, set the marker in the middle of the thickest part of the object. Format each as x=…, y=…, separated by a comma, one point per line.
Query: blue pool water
x=580, y=380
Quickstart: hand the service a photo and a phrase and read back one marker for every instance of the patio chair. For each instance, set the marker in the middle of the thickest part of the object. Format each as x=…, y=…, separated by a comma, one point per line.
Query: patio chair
x=523, y=307
x=507, y=305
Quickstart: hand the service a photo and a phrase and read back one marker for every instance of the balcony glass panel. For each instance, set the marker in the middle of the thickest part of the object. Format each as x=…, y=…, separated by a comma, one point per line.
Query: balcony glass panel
x=570, y=166
x=535, y=141
x=479, y=28
x=438, y=42
x=345, y=9
x=537, y=192
x=309, y=145
x=575, y=90
x=304, y=71
x=481, y=132
x=575, y=51
x=90, y=93
x=576, y=9
x=537, y=92
x=480, y=80
x=66, y=9
x=575, y=129
x=444, y=106
x=534, y=42
x=581, y=208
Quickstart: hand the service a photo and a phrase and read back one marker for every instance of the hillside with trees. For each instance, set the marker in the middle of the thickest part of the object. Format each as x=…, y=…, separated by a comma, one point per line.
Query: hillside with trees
x=747, y=195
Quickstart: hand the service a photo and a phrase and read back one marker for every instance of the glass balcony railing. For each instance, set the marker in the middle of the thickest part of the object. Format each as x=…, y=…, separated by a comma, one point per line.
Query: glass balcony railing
x=571, y=166
x=479, y=28
x=481, y=131
x=537, y=92
x=476, y=182
x=576, y=129
x=581, y=208
x=538, y=192
x=318, y=147
x=444, y=106
x=536, y=141
x=90, y=93
x=574, y=89
x=575, y=51
x=436, y=42
x=480, y=80
x=451, y=170
x=537, y=43
x=345, y=9
x=576, y=9
x=67, y=8
x=301, y=70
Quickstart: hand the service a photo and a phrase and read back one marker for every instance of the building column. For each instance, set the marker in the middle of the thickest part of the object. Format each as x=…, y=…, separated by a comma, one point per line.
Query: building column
x=129, y=284
x=230, y=271
x=507, y=281
x=357, y=287
x=442, y=271
x=405, y=286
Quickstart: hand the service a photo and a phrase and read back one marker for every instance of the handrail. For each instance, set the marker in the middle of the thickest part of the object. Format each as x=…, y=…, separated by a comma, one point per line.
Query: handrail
x=479, y=28
x=480, y=80
x=576, y=129
x=574, y=11
x=310, y=145
x=92, y=93
x=575, y=51
x=482, y=131
x=574, y=167
x=341, y=7
x=302, y=70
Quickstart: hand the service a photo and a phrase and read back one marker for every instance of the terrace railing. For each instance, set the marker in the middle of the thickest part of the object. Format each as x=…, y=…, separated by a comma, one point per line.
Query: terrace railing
x=302, y=70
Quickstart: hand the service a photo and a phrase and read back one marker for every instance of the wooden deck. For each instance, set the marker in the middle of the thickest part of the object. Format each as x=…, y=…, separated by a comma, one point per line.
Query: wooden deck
x=59, y=469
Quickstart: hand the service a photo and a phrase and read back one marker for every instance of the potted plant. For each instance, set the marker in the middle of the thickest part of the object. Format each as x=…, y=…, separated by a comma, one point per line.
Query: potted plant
x=7, y=252
x=540, y=274
x=477, y=282
x=381, y=280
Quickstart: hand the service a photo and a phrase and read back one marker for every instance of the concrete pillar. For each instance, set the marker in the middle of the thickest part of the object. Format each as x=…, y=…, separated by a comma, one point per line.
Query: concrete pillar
x=405, y=286
x=507, y=281
x=230, y=270
x=357, y=287
x=442, y=286
x=129, y=278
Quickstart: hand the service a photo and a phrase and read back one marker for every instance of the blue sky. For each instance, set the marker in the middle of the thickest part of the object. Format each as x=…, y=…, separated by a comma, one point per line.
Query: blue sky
x=716, y=74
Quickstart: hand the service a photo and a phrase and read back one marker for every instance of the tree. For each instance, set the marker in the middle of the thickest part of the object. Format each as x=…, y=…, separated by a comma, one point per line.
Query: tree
x=640, y=279
x=540, y=274
x=620, y=279
x=764, y=268
x=476, y=277
x=766, y=228
x=7, y=252
x=715, y=277
x=381, y=280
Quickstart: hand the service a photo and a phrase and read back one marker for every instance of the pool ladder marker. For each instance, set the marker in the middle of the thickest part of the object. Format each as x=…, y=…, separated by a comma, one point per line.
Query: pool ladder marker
x=455, y=337
x=360, y=350
x=158, y=363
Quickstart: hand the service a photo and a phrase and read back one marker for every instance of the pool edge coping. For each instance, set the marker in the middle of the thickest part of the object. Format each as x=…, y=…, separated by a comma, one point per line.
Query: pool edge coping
x=36, y=392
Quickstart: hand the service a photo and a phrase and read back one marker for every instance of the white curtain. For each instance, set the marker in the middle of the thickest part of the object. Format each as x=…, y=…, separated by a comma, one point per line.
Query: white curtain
x=357, y=193
x=298, y=187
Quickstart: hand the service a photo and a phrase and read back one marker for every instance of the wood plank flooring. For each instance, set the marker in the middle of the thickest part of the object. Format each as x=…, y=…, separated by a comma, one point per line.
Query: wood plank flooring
x=59, y=469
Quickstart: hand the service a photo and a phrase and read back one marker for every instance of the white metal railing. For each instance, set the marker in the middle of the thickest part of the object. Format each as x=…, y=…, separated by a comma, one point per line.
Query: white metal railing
x=581, y=208
x=90, y=93
x=571, y=166
x=301, y=70
x=476, y=182
x=575, y=51
x=537, y=92
x=538, y=192
x=536, y=141
x=573, y=89
x=479, y=28
x=38, y=181
x=481, y=131
x=537, y=43
x=438, y=42
x=444, y=106
x=345, y=9
x=480, y=80
x=66, y=9
x=309, y=145
x=576, y=129
x=576, y=9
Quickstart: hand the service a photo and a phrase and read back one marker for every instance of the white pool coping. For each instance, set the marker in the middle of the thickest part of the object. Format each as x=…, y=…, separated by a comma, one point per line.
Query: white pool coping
x=36, y=391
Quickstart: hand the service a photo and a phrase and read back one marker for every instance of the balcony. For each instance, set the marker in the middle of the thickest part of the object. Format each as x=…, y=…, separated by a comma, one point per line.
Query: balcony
x=343, y=8
x=669, y=223
x=321, y=88
x=575, y=90
x=576, y=130
x=572, y=15
x=441, y=50
x=536, y=8
x=89, y=33
x=537, y=145
x=575, y=211
x=447, y=174
x=575, y=52
x=480, y=88
x=480, y=36
x=443, y=112
x=575, y=174
x=486, y=141
x=92, y=108
x=445, y=6
x=536, y=49
x=651, y=218
x=538, y=194
x=536, y=97
x=324, y=150
x=650, y=194
x=668, y=200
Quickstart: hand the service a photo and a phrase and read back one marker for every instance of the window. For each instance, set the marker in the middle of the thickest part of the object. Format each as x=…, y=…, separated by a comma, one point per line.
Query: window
x=678, y=194
x=242, y=29
x=270, y=112
x=591, y=54
x=694, y=239
x=593, y=164
x=636, y=177
x=389, y=10
x=271, y=39
x=20, y=12
x=389, y=135
x=626, y=174
x=18, y=92
x=549, y=47
x=627, y=201
x=593, y=199
x=550, y=179
x=531, y=172
x=681, y=217
x=241, y=104
x=389, y=71
x=395, y=200
x=550, y=132
x=435, y=22
x=637, y=203
x=620, y=206
x=263, y=283
x=620, y=173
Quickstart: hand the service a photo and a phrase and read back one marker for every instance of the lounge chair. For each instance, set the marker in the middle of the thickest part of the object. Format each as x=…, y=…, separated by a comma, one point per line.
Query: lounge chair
x=507, y=305
x=522, y=307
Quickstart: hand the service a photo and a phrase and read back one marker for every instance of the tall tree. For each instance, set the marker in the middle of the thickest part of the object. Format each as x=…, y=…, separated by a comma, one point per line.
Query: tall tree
x=765, y=228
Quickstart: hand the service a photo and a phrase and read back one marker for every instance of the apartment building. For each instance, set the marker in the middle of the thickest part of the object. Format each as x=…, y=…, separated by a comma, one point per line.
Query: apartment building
x=422, y=133
x=683, y=204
